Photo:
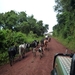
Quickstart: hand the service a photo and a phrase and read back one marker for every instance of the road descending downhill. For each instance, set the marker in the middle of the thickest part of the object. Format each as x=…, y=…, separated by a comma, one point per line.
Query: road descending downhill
x=34, y=65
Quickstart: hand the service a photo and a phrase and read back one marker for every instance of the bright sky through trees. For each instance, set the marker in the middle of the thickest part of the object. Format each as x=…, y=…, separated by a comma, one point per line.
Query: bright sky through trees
x=41, y=9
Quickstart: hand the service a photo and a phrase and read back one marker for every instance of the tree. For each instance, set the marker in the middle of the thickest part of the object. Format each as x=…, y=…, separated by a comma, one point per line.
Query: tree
x=10, y=19
x=1, y=20
x=19, y=21
x=65, y=18
x=22, y=16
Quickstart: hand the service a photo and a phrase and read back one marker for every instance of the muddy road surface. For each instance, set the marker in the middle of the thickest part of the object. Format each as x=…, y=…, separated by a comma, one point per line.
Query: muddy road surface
x=34, y=65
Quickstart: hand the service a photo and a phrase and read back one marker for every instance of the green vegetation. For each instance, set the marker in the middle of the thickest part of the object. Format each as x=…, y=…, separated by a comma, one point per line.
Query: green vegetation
x=17, y=28
x=20, y=21
x=64, y=30
x=9, y=37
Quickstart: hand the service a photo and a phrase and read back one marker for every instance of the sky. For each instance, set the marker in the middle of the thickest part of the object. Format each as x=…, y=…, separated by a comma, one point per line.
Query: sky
x=41, y=9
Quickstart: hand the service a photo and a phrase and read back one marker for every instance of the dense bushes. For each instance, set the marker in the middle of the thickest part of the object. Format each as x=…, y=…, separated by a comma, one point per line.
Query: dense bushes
x=9, y=37
x=4, y=58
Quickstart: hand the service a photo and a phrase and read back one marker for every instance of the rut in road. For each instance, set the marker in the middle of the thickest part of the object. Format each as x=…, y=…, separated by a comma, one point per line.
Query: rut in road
x=34, y=66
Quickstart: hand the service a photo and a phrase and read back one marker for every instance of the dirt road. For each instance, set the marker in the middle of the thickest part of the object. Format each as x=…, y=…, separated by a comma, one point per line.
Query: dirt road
x=34, y=66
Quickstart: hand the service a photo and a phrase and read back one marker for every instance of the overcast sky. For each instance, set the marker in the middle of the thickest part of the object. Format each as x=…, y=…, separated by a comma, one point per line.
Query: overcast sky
x=41, y=9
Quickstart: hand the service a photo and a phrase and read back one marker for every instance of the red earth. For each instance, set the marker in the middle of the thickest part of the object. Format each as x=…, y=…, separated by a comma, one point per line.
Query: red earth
x=35, y=66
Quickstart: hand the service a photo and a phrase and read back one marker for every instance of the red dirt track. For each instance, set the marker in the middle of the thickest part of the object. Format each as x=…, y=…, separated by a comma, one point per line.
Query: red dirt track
x=34, y=66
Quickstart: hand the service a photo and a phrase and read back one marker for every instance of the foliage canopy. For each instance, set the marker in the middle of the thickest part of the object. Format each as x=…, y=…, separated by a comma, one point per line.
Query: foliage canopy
x=65, y=28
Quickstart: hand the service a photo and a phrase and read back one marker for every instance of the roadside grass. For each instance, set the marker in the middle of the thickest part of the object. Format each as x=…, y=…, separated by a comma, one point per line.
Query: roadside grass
x=68, y=44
